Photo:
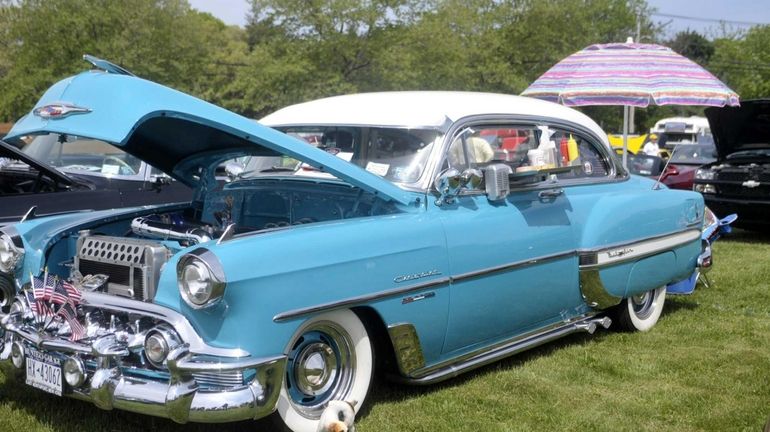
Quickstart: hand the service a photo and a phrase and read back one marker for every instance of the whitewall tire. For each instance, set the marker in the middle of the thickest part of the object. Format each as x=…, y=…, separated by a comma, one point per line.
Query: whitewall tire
x=330, y=357
x=641, y=312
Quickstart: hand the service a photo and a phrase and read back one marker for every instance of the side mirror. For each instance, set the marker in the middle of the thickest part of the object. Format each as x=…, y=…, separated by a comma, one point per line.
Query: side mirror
x=233, y=171
x=451, y=182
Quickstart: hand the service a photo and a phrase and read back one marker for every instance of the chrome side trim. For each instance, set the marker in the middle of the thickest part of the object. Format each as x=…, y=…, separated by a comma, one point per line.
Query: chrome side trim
x=285, y=316
x=588, y=258
x=407, y=347
x=513, y=265
x=507, y=348
x=618, y=253
x=352, y=301
x=175, y=319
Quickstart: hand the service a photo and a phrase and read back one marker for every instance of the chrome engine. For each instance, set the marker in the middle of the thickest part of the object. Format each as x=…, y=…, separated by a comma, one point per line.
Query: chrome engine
x=131, y=266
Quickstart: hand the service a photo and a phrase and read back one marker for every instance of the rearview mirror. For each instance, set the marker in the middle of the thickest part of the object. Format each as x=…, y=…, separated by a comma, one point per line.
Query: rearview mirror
x=233, y=171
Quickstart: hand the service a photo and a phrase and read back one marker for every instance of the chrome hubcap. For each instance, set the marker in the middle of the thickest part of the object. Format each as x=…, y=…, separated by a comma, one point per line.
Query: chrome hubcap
x=316, y=369
x=320, y=368
x=643, y=304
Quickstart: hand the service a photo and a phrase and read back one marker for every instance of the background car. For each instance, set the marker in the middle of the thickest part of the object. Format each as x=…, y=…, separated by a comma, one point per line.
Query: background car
x=685, y=160
x=739, y=180
x=59, y=173
x=456, y=229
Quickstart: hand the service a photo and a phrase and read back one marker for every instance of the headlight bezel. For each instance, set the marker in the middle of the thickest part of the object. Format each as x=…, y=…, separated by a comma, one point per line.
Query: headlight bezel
x=212, y=275
x=14, y=252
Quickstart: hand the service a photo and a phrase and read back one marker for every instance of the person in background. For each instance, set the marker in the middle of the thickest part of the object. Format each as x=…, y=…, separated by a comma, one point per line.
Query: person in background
x=651, y=148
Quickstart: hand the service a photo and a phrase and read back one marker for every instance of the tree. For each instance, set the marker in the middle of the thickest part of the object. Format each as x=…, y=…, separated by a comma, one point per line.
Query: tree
x=692, y=45
x=45, y=40
x=744, y=63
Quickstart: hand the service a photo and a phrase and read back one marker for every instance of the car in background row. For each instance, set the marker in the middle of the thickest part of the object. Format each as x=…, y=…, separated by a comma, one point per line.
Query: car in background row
x=739, y=180
x=673, y=131
x=679, y=170
x=57, y=173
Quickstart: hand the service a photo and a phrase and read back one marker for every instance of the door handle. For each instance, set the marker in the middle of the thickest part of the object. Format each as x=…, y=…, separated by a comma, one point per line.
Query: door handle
x=550, y=194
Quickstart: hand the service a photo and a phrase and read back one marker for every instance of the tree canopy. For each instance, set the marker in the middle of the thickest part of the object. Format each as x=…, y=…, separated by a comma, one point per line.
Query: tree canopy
x=296, y=50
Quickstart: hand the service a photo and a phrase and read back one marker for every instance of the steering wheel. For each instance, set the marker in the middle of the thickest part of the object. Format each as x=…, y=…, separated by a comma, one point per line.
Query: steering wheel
x=121, y=162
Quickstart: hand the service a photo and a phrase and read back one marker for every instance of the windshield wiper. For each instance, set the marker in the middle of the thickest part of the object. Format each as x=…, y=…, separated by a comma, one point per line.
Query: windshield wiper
x=278, y=169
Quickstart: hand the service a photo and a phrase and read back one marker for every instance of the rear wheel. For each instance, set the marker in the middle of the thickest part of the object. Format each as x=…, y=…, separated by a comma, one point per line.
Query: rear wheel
x=329, y=358
x=641, y=312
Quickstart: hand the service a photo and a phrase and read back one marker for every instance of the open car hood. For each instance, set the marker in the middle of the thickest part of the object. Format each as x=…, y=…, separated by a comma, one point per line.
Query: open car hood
x=10, y=152
x=175, y=132
x=746, y=127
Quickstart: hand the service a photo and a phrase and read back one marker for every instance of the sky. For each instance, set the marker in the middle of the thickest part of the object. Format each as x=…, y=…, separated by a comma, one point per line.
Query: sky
x=700, y=15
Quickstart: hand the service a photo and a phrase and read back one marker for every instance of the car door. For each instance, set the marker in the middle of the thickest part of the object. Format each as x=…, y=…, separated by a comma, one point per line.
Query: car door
x=513, y=262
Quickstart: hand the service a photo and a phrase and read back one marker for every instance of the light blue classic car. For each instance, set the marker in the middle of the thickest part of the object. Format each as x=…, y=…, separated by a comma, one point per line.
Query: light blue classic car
x=434, y=231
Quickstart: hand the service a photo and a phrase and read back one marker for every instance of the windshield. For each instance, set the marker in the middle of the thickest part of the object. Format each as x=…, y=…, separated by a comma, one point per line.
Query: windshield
x=694, y=154
x=81, y=155
x=398, y=155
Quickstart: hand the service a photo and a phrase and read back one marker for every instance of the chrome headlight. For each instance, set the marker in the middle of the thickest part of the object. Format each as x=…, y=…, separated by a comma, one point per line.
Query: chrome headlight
x=10, y=255
x=704, y=174
x=201, y=279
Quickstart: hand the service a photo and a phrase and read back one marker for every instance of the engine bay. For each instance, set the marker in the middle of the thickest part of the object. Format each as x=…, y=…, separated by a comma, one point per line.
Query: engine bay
x=125, y=257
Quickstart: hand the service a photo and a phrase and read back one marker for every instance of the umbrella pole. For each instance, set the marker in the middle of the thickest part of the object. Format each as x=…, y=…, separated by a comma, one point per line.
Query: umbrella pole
x=625, y=136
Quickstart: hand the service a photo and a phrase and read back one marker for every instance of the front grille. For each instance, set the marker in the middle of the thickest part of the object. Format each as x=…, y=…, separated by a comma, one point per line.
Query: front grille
x=132, y=265
x=219, y=380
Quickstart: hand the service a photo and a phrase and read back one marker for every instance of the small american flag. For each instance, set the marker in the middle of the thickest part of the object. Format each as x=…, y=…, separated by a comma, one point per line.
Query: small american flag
x=72, y=292
x=60, y=294
x=38, y=287
x=49, y=285
x=70, y=315
x=37, y=300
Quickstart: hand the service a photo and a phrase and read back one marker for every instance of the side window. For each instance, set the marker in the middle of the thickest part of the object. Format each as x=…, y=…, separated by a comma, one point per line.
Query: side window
x=490, y=143
x=588, y=162
x=528, y=148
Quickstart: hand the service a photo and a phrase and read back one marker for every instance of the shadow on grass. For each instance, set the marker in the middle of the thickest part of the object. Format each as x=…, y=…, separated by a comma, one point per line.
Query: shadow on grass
x=390, y=391
x=62, y=414
x=675, y=304
x=745, y=236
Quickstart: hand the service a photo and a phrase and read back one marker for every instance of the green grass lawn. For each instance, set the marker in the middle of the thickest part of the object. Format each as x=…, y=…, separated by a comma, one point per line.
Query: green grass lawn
x=705, y=366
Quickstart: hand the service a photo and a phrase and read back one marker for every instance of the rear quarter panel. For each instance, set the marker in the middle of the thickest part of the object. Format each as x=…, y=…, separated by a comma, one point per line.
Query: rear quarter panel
x=620, y=213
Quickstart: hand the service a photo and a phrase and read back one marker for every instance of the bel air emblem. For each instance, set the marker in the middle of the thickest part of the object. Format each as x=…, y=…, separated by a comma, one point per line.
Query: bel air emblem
x=751, y=183
x=404, y=278
x=617, y=253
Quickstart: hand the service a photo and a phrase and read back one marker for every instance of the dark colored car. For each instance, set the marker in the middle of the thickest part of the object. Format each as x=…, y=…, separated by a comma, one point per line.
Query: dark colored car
x=59, y=173
x=685, y=160
x=739, y=180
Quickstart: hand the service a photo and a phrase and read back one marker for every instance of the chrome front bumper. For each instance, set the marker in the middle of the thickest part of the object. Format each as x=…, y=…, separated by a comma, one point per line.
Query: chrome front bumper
x=112, y=385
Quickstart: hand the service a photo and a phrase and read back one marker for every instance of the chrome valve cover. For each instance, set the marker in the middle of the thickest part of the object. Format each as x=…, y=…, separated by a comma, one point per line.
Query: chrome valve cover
x=132, y=265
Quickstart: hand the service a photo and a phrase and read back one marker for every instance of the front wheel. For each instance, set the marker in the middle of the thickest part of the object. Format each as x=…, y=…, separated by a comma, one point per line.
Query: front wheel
x=641, y=312
x=329, y=358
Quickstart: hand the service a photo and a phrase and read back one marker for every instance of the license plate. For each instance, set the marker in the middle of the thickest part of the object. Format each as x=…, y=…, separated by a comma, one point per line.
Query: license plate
x=43, y=371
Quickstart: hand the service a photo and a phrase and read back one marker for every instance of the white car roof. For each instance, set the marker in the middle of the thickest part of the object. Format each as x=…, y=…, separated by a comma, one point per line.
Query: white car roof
x=417, y=109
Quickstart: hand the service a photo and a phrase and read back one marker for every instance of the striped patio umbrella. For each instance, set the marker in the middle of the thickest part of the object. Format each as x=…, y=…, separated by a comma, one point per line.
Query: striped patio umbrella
x=630, y=74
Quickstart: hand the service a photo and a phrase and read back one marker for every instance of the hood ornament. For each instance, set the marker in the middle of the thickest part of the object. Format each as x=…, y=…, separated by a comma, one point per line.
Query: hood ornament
x=59, y=110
